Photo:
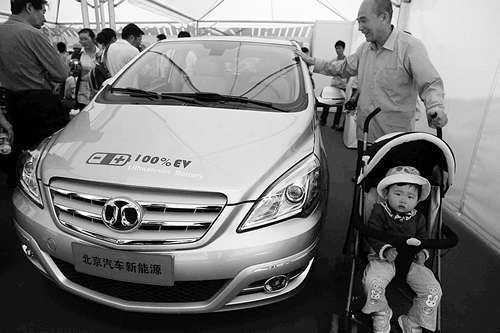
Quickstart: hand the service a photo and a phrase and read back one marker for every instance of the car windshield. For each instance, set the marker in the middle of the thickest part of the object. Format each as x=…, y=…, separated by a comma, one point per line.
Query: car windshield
x=212, y=73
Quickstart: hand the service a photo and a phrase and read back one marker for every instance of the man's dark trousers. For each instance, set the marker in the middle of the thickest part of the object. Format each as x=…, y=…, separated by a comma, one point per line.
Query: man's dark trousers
x=326, y=110
x=34, y=114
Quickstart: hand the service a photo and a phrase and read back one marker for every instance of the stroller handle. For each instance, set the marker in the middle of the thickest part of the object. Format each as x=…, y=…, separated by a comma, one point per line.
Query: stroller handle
x=369, y=118
x=439, y=130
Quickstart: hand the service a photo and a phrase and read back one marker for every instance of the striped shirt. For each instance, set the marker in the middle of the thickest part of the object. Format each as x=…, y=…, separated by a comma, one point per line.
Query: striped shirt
x=390, y=77
x=28, y=61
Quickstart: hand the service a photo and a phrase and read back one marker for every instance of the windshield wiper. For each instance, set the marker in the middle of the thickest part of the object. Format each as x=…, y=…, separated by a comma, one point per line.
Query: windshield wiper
x=213, y=97
x=278, y=71
x=136, y=92
x=182, y=97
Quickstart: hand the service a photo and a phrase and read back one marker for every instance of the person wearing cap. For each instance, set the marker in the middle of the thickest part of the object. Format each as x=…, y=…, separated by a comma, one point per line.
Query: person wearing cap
x=125, y=49
x=400, y=190
x=392, y=67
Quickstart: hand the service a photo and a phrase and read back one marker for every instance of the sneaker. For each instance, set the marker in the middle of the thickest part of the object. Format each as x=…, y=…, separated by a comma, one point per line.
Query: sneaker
x=407, y=325
x=382, y=321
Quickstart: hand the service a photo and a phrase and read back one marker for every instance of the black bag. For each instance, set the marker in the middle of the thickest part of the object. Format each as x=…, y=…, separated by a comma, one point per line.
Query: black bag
x=99, y=73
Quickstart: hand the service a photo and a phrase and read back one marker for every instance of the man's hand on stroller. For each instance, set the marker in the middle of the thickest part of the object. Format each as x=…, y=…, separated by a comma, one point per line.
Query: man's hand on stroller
x=437, y=118
x=390, y=254
x=420, y=258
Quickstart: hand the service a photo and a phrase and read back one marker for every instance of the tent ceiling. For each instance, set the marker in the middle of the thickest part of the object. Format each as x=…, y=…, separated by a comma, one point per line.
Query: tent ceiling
x=237, y=10
x=233, y=10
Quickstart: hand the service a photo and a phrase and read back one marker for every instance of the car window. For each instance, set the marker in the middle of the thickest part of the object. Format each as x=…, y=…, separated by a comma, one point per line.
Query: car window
x=257, y=71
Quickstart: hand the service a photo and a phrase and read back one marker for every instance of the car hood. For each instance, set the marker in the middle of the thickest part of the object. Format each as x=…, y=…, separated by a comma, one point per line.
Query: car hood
x=235, y=152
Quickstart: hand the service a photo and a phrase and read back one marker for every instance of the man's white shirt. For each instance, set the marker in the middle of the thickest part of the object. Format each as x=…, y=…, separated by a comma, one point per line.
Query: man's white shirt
x=119, y=54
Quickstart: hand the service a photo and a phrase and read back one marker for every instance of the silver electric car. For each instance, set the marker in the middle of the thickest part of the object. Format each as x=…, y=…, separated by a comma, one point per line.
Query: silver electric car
x=195, y=181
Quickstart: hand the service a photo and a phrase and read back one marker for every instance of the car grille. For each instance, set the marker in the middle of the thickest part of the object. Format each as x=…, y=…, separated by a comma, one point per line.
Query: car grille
x=180, y=292
x=169, y=217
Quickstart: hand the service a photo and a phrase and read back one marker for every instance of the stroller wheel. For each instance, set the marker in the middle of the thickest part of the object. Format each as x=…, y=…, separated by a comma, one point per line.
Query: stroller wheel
x=342, y=324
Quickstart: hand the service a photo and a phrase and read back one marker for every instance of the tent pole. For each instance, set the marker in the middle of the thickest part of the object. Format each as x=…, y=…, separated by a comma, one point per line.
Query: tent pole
x=333, y=10
x=103, y=16
x=404, y=15
x=111, y=12
x=210, y=10
x=97, y=18
x=85, y=13
x=57, y=13
x=170, y=9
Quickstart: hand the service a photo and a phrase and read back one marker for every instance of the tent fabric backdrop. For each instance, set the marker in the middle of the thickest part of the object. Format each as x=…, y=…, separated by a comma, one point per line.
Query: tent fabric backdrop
x=472, y=102
x=234, y=10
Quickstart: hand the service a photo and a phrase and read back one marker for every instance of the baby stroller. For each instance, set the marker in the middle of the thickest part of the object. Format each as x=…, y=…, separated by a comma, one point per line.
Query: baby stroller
x=435, y=161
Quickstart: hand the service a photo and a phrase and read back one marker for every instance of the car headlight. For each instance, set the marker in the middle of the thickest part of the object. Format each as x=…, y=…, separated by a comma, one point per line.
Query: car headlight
x=296, y=192
x=28, y=180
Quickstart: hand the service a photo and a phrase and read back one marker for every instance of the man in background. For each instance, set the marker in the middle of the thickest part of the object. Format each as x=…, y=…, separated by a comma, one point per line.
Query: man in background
x=29, y=65
x=337, y=82
x=63, y=53
x=125, y=49
x=183, y=34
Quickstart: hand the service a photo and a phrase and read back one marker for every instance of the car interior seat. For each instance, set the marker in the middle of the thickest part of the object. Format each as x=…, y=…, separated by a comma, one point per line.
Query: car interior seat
x=270, y=84
x=208, y=76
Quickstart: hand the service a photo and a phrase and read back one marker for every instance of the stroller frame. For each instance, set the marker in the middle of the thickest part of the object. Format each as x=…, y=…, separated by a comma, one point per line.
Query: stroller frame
x=370, y=173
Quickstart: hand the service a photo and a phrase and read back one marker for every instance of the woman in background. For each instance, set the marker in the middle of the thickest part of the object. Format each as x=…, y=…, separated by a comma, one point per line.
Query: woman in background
x=88, y=62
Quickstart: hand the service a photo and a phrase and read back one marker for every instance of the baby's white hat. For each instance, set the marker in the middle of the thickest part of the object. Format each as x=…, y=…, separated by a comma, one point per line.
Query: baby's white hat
x=404, y=174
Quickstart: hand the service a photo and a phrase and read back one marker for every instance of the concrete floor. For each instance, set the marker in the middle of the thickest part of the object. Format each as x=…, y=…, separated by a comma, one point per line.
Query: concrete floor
x=471, y=273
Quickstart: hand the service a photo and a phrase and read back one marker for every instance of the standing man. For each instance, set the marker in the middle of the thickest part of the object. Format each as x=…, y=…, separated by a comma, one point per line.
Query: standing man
x=337, y=82
x=125, y=49
x=392, y=69
x=28, y=75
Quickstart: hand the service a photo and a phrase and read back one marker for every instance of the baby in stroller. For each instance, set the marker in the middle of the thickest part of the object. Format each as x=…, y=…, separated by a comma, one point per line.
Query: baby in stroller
x=401, y=190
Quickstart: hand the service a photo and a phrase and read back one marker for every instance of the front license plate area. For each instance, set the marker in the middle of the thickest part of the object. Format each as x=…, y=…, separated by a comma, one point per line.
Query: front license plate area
x=154, y=269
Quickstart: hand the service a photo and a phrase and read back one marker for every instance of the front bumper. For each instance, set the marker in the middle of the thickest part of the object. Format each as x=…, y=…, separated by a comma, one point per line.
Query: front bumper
x=240, y=262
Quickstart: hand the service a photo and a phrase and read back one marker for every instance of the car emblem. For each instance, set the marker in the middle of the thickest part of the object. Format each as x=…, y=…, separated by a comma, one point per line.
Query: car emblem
x=121, y=214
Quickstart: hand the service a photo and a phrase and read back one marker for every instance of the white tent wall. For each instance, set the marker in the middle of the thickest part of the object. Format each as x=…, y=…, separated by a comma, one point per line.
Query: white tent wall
x=461, y=38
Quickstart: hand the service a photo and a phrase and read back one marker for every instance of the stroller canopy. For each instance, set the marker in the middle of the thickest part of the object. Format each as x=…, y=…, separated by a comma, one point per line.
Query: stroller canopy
x=424, y=151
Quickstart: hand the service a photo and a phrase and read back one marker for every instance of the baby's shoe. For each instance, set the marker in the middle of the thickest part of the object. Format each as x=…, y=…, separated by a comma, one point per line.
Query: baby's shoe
x=382, y=321
x=407, y=325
